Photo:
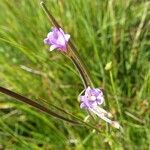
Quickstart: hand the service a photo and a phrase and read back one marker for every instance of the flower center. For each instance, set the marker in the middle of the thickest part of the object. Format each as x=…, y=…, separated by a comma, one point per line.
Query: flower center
x=92, y=97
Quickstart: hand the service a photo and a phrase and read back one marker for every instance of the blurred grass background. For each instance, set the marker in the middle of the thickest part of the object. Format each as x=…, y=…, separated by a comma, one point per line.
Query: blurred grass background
x=104, y=31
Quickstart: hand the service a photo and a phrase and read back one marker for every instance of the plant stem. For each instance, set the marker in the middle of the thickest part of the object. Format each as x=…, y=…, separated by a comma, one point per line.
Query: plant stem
x=114, y=91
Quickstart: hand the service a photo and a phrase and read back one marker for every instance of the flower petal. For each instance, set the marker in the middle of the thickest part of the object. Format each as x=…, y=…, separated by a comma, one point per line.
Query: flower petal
x=101, y=115
x=46, y=40
x=87, y=92
x=82, y=105
x=52, y=47
x=67, y=37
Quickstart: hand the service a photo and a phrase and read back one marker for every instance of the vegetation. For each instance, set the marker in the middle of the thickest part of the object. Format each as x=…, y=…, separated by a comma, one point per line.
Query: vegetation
x=103, y=32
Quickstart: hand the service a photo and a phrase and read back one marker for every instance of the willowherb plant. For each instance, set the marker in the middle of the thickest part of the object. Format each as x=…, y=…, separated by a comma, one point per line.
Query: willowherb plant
x=91, y=100
x=93, y=97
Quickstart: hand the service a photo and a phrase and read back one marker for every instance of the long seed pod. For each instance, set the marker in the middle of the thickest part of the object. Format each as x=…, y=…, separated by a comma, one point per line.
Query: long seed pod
x=35, y=105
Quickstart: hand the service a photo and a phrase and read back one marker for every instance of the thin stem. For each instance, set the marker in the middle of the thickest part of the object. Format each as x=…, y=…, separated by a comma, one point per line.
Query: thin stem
x=114, y=91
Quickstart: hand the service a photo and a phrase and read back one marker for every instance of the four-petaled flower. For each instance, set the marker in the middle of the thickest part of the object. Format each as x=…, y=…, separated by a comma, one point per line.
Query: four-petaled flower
x=57, y=39
x=92, y=100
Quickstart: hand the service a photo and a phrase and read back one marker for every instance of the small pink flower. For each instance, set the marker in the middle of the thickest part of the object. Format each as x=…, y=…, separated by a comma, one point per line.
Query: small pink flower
x=57, y=39
x=91, y=98
x=91, y=101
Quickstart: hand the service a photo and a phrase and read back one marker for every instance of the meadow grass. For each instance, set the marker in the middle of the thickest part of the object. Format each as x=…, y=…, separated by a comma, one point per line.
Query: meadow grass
x=103, y=31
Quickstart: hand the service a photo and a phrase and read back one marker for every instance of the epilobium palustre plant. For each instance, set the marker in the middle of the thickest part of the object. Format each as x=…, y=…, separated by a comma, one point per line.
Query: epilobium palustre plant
x=93, y=97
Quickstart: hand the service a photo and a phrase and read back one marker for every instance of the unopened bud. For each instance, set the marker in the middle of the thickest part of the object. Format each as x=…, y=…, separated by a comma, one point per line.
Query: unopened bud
x=108, y=66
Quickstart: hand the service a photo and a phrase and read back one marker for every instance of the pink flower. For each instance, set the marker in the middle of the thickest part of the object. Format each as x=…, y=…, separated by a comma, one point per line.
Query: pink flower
x=57, y=39
x=92, y=97
x=92, y=100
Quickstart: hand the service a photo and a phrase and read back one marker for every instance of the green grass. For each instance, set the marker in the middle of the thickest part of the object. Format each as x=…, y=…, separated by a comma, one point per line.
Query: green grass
x=103, y=31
